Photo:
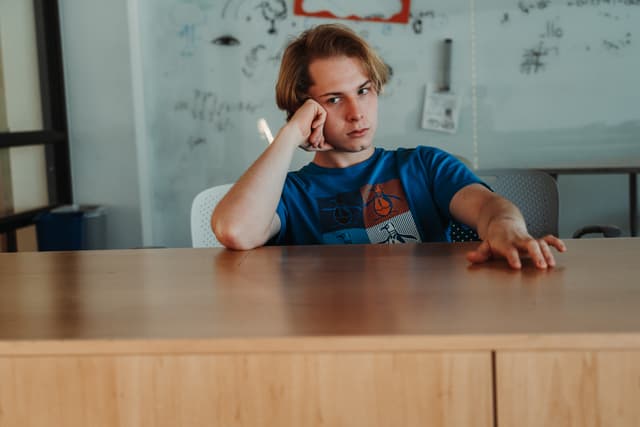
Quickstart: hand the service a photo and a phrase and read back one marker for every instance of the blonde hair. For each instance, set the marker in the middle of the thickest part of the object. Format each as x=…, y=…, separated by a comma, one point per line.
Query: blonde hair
x=320, y=42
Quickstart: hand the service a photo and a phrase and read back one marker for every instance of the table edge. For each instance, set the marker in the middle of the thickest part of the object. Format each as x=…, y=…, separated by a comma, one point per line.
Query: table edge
x=323, y=344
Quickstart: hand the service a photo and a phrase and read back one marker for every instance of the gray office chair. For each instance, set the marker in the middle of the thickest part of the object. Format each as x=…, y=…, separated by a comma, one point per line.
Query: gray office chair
x=535, y=193
x=604, y=230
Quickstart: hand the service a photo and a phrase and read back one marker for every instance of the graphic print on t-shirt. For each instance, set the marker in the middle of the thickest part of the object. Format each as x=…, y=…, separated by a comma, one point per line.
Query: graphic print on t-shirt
x=377, y=213
x=341, y=219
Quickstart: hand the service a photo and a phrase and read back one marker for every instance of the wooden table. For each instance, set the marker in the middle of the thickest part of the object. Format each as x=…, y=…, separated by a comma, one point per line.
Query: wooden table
x=328, y=335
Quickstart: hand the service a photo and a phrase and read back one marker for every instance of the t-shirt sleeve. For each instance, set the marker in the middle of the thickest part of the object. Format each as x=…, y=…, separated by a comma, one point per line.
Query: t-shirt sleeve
x=447, y=175
x=281, y=211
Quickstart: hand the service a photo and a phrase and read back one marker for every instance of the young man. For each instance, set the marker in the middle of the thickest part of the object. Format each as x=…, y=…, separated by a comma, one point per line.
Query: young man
x=328, y=84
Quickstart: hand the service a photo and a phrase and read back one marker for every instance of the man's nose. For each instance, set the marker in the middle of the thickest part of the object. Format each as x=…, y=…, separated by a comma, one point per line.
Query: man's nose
x=354, y=112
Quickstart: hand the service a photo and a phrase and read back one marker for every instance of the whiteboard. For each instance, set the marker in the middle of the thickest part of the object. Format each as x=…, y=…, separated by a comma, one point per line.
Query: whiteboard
x=209, y=70
x=557, y=83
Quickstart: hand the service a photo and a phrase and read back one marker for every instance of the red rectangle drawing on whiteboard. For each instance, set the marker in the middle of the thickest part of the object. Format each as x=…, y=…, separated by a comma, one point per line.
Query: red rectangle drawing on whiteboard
x=401, y=17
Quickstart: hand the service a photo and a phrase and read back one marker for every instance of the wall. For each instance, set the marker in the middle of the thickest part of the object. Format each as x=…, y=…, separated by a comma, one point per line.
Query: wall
x=593, y=199
x=104, y=160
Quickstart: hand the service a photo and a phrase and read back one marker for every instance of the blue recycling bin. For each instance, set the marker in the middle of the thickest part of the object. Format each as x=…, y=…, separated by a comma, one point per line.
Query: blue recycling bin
x=71, y=228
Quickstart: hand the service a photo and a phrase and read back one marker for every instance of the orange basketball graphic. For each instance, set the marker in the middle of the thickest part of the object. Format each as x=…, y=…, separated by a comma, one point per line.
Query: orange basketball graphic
x=382, y=206
x=383, y=201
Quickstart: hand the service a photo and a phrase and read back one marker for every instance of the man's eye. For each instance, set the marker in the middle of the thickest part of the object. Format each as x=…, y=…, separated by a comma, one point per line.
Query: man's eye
x=364, y=91
x=333, y=100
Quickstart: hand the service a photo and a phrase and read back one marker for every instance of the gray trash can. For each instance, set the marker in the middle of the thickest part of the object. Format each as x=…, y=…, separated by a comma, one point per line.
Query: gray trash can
x=72, y=228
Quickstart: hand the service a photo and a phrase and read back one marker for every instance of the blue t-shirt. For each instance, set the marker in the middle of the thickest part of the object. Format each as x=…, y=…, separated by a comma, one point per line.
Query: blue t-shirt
x=399, y=196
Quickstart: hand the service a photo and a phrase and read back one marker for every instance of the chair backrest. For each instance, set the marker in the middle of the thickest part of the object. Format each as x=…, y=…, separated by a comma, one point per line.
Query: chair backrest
x=201, y=209
x=535, y=193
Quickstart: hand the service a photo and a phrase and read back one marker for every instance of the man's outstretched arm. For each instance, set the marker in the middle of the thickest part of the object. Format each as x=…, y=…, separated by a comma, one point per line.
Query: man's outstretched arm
x=502, y=229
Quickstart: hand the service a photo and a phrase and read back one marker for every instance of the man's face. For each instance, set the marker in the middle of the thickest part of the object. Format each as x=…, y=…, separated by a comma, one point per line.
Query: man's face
x=347, y=94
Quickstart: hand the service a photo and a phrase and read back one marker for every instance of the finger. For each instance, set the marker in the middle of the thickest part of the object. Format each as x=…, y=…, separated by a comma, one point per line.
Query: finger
x=513, y=258
x=306, y=146
x=325, y=146
x=320, y=145
x=316, y=137
x=546, y=253
x=555, y=242
x=481, y=254
x=320, y=115
x=319, y=120
x=535, y=253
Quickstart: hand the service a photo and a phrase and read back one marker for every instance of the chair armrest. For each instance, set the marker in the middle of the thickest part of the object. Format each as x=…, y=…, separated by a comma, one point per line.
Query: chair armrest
x=605, y=230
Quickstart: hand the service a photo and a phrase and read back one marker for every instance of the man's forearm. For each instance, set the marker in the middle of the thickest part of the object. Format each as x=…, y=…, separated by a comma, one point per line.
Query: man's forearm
x=243, y=218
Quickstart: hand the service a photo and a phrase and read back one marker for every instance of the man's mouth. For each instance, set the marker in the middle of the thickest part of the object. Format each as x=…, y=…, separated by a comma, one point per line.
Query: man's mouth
x=358, y=132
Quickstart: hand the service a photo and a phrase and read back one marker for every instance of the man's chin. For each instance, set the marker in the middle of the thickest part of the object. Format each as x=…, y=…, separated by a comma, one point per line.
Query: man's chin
x=353, y=148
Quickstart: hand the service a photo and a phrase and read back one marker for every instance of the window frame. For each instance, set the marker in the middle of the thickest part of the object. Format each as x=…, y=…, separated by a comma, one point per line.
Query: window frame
x=54, y=135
